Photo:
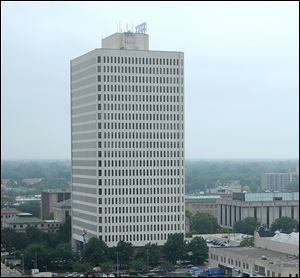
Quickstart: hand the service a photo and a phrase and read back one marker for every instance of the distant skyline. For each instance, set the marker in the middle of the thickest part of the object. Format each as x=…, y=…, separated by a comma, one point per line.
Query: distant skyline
x=241, y=72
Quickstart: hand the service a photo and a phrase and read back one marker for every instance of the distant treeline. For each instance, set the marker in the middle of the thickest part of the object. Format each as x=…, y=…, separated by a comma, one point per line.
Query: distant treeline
x=200, y=174
x=46, y=169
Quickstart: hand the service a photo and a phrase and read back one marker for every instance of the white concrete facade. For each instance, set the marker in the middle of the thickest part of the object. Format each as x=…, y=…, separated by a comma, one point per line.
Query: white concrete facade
x=127, y=125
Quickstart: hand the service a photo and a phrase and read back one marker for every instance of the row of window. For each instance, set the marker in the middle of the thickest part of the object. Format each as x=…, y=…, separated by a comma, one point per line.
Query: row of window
x=141, y=163
x=144, y=191
x=138, y=79
x=136, y=237
x=148, y=154
x=140, y=70
x=139, y=144
x=141, y=135
x=140, y=107
x=139, y=89
x=139, y=60
x=140, y=126
x=145, y=219
x=141, y=98
x=140, y=200
x=148, y=209
x=140, y=172
x=139, y=228
x=141, y=182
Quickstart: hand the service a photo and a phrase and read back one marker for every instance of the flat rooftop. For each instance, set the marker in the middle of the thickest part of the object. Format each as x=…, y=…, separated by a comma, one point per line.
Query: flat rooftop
x=201, y=197
x=269, y=196
x=257, y=253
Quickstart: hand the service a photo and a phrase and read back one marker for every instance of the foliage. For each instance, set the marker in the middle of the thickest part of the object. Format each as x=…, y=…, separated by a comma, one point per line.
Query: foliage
x=167, y=266
x=285, y=224
x=33, y=207
x=203, y=174
x=107, y=266
x=199, y=248
x=43, y=252
x=125, y=252
x=138, y=264
x=95, y=251
x=175, y=247
x=153, y=253
x=12, y=240
x=64, y=232
x=81, y=266
x=204, y=223
x=246, y=226
x=247, y=241
x=293, y=187
x=224, y=230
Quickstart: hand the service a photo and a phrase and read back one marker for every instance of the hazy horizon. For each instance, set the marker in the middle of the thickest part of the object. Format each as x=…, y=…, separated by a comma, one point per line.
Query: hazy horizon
x=241, y=73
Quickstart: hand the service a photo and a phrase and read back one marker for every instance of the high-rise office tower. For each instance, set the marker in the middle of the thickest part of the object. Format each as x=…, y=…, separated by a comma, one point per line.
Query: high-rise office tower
x=127, y=125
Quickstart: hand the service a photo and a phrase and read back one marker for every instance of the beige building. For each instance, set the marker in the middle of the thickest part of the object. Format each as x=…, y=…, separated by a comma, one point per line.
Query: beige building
x=202, y=203
x=23, y=220
x=62, y=210
x=271, y=257
x=50, y=198
x=265, y=207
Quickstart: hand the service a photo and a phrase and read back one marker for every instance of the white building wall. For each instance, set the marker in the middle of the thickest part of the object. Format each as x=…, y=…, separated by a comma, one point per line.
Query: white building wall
x=128, y=156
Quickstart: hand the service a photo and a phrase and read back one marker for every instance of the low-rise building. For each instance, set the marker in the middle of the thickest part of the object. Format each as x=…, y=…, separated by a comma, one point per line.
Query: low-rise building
x=202, y=203
x=274, y=256
x=23, y=220
x=278, y=181
x=62, y=210
x=265, y=207
x=50, y=198
x=226, y=188
x=8, y=213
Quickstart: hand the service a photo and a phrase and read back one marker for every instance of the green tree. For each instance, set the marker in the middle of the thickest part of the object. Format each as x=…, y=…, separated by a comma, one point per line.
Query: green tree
x=125, y=252
x=81, y=266
x=246, y=226
x=138, y=264
x=199, y=249
x=204, y=223
x=167, y=266
x=285, y=224
x=175, y=247
x=107, y=266
x=32, y=207
x=12, y=240
x=95, y=251
x=154, y=252
x=64, y=233
x=247, y=241
x=44, y=255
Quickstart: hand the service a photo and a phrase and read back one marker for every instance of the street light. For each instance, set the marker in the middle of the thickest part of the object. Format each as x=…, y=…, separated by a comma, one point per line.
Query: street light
x=23, y=263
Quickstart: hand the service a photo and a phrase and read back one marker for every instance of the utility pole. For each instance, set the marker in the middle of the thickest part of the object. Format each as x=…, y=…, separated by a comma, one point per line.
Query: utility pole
x=147, y=259
x=35, y=262
x=117, y=264
x=23, y=263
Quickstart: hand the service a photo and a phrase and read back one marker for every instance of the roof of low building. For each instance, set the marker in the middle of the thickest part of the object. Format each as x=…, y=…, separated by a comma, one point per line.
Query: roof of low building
x=9, y=211
x=292, y=238
x=23, y=218
x=64, y=204
x=257, y=253
x=202, y=197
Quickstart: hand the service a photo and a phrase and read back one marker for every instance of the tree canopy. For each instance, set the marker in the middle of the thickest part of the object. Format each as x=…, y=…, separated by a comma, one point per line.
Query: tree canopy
x=175, y=247
x=204, y=223
x=199, y=248
x=285, y=225
x=246, y=226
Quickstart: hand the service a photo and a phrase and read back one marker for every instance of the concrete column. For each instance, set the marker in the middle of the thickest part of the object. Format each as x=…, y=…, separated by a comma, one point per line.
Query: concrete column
x=219, y=214
x=223, y=214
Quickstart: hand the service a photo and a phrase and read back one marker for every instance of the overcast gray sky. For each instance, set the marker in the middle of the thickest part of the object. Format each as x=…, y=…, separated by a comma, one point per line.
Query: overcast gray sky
x=241, y=72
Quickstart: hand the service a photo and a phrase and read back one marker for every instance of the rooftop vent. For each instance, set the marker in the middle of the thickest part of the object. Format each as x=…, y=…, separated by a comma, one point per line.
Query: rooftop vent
x=263, y=257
